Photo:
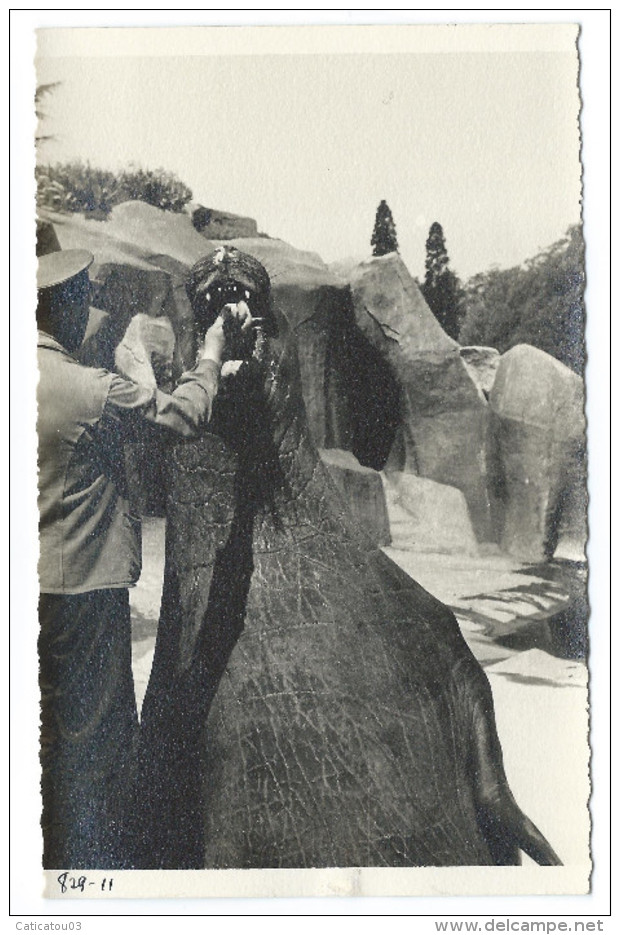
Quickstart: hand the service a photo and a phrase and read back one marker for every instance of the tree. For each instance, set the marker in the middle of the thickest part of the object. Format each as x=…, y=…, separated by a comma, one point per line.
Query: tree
x=441, y=287
x=538, y=303
x=40, y=92
x=383, y=238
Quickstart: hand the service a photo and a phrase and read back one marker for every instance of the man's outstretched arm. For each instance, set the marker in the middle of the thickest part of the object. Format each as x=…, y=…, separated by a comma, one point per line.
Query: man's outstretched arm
x=188, y=407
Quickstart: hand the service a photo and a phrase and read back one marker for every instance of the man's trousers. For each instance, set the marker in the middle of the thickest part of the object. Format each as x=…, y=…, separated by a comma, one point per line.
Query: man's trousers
x=89, y=729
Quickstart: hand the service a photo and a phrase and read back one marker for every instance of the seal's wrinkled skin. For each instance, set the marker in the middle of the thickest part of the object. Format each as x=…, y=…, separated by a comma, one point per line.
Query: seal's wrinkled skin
x=310, y=705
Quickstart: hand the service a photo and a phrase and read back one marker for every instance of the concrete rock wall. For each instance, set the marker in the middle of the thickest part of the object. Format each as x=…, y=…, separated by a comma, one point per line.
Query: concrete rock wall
x=444, y=415
x=539, y=433
x=221, y=225
x=363, y=493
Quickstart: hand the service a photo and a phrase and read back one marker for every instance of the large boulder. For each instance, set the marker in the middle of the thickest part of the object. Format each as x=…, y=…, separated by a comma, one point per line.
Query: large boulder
x=47, y=241
x=539, y=430
x=426, y=516
x=362, y=492
x=221, y=225
x=146, y=349
x=443, y=413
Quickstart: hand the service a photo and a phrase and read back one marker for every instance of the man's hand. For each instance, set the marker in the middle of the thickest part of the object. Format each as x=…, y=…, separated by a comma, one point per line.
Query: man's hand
x=231, y=367
x=215, y=338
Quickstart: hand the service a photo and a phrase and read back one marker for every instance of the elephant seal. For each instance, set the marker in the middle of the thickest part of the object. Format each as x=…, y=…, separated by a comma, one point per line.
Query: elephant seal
x=309, y=705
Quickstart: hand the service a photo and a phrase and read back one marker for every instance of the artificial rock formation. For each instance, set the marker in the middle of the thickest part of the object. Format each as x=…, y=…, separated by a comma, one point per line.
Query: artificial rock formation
x=309, y=704
x=47, y=241
x=362, y=490
x=221, y=225
x=539, y=430
x=482, y=364
x=426, y=516
x=444, y=415
x=146, y=350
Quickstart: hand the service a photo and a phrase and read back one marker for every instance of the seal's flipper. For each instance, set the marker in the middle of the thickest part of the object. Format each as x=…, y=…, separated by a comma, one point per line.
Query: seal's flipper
x=505, y=827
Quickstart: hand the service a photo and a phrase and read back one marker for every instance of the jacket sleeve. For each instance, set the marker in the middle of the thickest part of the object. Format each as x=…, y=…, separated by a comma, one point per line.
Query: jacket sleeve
x=183, y=412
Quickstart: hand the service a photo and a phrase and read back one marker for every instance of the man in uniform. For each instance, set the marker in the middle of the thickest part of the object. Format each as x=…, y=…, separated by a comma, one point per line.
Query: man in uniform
x=90, y=554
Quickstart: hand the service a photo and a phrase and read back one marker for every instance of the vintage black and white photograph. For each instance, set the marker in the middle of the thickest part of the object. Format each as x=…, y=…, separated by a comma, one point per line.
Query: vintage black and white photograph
x=312, y=459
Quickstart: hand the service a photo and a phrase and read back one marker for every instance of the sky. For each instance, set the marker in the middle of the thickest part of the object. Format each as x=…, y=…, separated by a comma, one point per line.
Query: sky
x=486, y=143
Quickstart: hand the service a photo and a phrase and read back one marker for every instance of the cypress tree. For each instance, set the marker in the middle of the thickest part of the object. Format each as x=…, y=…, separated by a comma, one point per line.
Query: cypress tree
x=383, y=238
x=441, y=287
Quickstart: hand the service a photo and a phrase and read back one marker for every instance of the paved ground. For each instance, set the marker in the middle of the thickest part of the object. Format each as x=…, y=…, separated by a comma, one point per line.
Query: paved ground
x=504, y=606
x=513, y=617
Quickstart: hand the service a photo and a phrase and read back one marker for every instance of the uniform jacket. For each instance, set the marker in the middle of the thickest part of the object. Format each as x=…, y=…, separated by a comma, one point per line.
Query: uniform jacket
x=88, y=537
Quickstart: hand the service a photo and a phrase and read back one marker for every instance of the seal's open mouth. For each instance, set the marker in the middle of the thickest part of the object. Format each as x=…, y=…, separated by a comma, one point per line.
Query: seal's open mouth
x=225, y=277
x=240, y=345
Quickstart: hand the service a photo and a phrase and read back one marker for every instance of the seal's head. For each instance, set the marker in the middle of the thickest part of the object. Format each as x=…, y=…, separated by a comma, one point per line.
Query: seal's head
x=228, y=275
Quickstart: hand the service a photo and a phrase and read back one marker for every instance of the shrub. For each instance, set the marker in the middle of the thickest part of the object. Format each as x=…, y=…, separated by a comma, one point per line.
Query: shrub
x=78, y=187
x=74, y=186
x=159, y=188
